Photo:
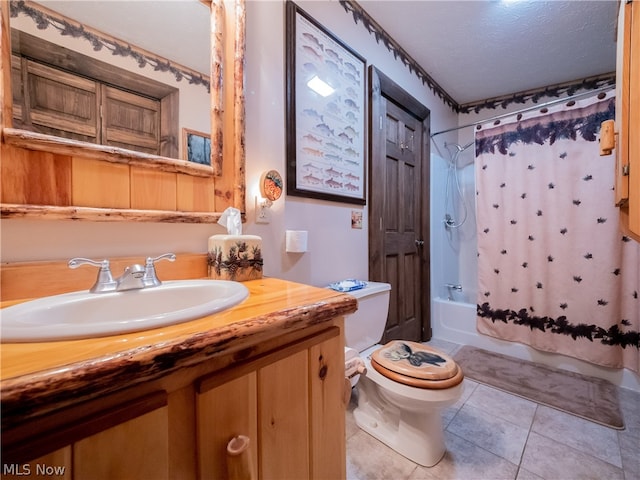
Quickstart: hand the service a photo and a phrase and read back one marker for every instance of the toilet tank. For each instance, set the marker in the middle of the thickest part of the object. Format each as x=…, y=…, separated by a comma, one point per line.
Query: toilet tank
x=364, y=328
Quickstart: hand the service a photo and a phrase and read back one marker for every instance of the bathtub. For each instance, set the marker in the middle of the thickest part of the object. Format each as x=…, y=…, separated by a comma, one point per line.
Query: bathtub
x=455, y=321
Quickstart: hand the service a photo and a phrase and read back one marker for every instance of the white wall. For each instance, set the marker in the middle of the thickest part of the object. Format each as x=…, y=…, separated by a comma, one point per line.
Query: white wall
x=335, y=249
x=453, y=250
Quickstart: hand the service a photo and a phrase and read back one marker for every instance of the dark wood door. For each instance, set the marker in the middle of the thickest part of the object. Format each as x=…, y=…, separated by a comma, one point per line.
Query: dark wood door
x=399, y=205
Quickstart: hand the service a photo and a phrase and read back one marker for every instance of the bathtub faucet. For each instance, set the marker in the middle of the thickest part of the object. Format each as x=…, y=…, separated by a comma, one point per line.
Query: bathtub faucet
x=451, y=287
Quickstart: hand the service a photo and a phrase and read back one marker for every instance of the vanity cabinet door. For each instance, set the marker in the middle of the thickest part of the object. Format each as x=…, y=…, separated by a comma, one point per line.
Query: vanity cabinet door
x=105, y=438
x=290, y=405
x=327, y=383
x=301, y=413
x=269, y=405
x=284, y=418
x=224, y=412
x=135, y=449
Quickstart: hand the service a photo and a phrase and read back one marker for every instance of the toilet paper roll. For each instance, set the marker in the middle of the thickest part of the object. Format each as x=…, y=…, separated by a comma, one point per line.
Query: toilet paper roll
x=350, y=353
x=353, y=367
x=296, y=241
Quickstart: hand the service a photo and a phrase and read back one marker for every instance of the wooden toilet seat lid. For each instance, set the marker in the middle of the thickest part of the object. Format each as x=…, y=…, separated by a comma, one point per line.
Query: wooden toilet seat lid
x=418, y=382
x=412, y=363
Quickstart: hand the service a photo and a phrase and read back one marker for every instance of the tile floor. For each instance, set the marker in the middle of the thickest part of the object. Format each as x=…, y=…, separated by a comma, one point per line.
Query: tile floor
x=492, y=435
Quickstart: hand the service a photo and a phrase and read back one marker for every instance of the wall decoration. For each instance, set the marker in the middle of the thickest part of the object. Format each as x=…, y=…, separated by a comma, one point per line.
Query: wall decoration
x=359, y=15
x=356, y=219
x=540, y=94
x=196, y=146
x=325, y=113
x=271, y=185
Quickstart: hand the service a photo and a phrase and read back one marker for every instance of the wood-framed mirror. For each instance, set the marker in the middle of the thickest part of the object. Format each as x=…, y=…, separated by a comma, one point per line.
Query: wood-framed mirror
x=57, y=167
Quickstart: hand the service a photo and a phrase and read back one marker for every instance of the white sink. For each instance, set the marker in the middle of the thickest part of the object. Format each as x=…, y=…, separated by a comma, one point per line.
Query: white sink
x=86, y=315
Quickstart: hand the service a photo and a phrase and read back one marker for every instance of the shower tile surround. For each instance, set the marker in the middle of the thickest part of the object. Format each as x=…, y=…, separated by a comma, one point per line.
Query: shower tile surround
x=493, y=435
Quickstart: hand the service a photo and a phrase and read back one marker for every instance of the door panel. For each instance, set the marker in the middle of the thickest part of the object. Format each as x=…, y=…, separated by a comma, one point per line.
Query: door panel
x=130, y=121
x=391, y=182
x=402, y=224
x=399, y=205
x=392, y=270
x=60, y=103
x=284, y=445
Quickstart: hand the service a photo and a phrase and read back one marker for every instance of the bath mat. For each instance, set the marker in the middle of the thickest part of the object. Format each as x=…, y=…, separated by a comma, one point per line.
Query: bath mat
x=590, y=398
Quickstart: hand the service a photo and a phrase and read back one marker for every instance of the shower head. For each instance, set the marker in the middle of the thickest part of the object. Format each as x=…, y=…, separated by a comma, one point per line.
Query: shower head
x=453, y=161
x=458, y=147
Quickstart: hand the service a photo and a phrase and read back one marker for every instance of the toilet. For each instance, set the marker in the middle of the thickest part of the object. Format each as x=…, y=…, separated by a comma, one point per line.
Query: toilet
x=405, y=385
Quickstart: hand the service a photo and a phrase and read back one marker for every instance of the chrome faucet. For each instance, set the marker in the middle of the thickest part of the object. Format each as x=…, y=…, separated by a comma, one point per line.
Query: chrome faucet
x=131, y=279
x=451, y=287
x=150, y=278
x=105, y=281
x=134, y=277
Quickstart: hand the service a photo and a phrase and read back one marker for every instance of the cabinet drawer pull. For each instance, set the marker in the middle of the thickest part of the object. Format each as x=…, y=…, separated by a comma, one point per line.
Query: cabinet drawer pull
x=239, y=465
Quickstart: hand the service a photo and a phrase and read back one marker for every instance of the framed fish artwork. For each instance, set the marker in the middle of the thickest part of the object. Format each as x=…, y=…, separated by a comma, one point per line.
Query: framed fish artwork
x=326, y=82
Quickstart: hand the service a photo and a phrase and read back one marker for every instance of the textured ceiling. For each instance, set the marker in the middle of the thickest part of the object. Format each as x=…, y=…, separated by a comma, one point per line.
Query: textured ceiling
x=482, y=49
x=473, y=49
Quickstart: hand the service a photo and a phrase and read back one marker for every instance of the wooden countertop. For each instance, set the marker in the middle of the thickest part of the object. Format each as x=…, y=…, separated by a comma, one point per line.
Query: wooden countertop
x=49, y=375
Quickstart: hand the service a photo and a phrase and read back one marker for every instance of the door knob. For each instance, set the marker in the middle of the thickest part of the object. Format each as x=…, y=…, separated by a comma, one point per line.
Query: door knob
x=419, y=243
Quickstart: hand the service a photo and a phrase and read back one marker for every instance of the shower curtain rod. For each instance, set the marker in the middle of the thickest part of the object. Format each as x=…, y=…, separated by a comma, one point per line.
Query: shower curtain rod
x=528, y=109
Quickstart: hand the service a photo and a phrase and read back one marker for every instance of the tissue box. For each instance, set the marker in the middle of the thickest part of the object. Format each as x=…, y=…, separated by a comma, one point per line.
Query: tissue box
x=235, y=257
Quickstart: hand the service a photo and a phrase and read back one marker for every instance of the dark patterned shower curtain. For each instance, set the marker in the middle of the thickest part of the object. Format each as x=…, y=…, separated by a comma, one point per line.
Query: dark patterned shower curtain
x=555, y=271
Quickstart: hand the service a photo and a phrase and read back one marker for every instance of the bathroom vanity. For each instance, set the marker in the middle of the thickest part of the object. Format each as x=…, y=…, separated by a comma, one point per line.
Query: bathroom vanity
x=165, y=403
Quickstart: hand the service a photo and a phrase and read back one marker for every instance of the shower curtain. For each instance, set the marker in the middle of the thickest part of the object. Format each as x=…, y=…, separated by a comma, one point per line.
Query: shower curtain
x=555, y=271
